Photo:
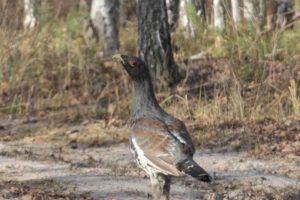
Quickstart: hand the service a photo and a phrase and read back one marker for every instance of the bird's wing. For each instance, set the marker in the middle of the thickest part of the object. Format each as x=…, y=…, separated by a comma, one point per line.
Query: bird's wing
x=153, y=142
x=179, y=131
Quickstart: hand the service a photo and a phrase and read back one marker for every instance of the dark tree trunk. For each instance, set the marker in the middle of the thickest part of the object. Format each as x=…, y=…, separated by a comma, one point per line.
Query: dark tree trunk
x=154, y=42
x=262, y=14
x=203, y=11
x=270, y=10
x=209, y=12
x=284, y=12
x=173, y=13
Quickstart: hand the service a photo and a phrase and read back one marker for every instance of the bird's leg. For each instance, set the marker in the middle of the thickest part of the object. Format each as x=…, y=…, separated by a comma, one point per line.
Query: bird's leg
x=160, y=187
x=157, y=183
x=149, y=191
x=166, y=188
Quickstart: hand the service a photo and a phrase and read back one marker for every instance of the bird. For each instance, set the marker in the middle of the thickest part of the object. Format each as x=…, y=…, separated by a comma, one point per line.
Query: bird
x=160, y=143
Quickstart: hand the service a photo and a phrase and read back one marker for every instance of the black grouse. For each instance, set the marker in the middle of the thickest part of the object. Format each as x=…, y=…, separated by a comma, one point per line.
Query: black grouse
x=160, y=143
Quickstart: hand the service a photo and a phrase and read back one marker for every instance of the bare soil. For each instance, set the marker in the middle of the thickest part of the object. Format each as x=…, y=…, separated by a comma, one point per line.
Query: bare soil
x=32, y=168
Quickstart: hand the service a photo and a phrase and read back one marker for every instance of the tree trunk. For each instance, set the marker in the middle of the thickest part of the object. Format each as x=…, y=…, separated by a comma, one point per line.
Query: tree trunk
x=104, y=18
x=184, y=20
x=30, y=20
x=173, y=13
x=209, y=12
x=249, y=11
x=284, y=12
x=270, y=11
x=219, y=15
x=154, y=42
x=177, y=13
x=262, y=14
x=200, y=6
x=236, y=12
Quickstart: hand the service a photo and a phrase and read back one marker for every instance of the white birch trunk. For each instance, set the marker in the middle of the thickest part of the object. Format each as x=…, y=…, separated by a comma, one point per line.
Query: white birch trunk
x=218, y=15
x=236, y=12
x=30, y=20
x=177, y=16
x=104, y=16
x=184, y=20
x=249, y=11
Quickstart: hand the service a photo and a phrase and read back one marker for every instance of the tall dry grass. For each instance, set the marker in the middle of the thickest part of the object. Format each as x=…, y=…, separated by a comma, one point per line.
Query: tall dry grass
x=58, y=68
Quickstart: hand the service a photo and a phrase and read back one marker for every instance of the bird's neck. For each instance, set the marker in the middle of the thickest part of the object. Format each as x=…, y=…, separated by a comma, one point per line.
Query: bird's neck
x=144, y=102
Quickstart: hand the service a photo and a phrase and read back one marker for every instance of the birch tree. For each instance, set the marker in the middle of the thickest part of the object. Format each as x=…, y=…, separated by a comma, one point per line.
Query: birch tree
x=178, y=15
x=30, y=19
x=104, y=17
x=154, y=42
x=184, y=20
x=219, y=22
x=249, y=10
x=270, y=10
x=200, y=7
x=236, y=12
x=262, y=14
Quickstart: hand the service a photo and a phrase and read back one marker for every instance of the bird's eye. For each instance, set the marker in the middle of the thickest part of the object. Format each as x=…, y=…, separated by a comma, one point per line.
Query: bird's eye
x=132, y=63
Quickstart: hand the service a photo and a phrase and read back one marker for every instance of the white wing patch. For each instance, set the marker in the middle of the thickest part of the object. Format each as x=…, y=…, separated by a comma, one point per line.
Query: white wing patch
x=145, y=163
x=177, y=135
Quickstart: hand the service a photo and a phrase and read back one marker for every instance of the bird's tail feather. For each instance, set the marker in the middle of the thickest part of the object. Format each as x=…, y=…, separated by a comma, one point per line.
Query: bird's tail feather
x=190, y=167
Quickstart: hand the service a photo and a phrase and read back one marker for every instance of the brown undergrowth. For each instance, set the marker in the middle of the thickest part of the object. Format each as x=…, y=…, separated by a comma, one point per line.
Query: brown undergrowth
x=220, y=113
x=54, y=78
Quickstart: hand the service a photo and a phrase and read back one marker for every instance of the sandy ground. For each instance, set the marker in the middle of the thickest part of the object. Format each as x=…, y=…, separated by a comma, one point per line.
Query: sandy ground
x=109, y=173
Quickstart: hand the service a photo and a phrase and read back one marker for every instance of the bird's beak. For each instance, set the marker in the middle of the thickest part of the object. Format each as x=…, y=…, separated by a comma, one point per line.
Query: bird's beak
x=119, y=58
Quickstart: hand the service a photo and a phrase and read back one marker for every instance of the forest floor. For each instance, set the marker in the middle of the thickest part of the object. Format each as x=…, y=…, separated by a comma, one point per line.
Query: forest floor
x=44, y=157
x=34, y=166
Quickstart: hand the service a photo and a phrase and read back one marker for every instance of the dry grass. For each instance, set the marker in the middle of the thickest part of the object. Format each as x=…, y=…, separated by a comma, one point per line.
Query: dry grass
x=97, y=133
x=293, y=89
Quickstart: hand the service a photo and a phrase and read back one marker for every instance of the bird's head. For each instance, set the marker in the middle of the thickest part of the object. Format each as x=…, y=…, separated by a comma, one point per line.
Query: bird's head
x=135, y=67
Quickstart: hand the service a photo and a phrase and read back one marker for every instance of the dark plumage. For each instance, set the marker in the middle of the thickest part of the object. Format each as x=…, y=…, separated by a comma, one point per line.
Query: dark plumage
x=160, y=143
